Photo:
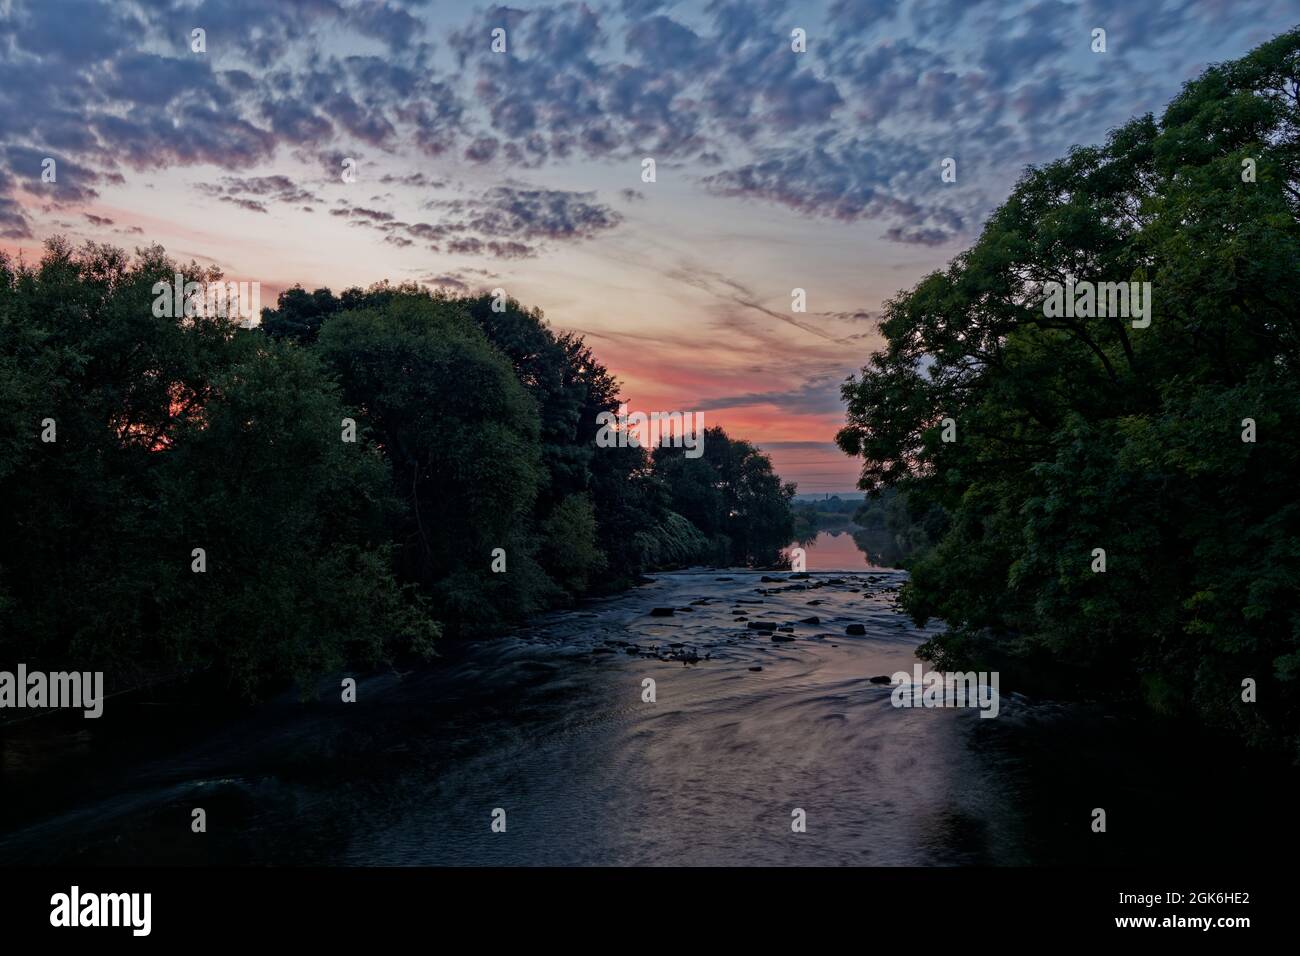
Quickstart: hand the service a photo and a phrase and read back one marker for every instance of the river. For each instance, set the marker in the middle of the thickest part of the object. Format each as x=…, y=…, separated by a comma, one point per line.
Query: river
x=549, y=725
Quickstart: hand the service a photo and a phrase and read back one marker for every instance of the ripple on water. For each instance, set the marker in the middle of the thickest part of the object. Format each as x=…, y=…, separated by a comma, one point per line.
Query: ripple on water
x=549, y=723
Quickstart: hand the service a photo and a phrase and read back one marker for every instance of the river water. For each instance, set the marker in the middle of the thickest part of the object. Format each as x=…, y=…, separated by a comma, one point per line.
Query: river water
x=549, y=725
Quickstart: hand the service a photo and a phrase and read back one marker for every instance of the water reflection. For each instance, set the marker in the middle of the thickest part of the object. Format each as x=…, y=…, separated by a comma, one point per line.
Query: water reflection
x=852, y=548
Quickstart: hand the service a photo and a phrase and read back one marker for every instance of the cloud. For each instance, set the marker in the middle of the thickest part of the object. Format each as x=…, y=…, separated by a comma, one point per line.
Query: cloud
x=862, y=15
x=845, y=180
x=504, y=222
x=14, y=223
x=663, y=43
x=918, y=236
x=482, y=150
x=150, y=80
x=255, y=192
x=500, y=249
x=74, y=31
x=818, y=397
x=363, y=215
x=293, y=122
x=386, y=22
x=510, y=211
x=733, y=292
x=452, y=283
x=509, y=221
x=851, y=131
x=417, y=179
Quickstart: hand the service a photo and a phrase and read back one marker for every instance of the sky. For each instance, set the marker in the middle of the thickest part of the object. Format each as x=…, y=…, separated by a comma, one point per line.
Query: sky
x=523, y=169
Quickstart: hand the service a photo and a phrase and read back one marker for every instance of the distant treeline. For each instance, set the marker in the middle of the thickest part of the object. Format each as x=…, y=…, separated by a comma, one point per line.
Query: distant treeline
x=1114, y=506
x=128, y=441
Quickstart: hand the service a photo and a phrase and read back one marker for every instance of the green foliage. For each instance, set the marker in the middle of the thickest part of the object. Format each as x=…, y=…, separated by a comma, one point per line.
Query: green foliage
x=461, y=437
x=673, y=542
x=1083, y=433
x=732, y=495
x=175, y=434
x=570, y=549
x=638, y=508
x=895, y=528
x=569, y=388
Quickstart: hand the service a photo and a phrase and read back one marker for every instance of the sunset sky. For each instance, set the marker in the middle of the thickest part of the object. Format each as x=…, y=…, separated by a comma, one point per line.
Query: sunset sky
x=523, y=169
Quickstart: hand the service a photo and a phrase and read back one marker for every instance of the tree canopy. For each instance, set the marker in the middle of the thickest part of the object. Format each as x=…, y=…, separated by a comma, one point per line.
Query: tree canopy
x=133, y=440
x=1080, y=433
x=732, y=495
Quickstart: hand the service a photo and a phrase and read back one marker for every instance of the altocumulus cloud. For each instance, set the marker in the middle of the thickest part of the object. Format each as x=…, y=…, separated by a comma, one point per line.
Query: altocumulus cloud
x=254, y=192
x=504, y=222
x=851, y=130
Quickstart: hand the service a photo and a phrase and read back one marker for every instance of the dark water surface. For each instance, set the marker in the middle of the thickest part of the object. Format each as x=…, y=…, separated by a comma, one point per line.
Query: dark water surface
x=549, y=724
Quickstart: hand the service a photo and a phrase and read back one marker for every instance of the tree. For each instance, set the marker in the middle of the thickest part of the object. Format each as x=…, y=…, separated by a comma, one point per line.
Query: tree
x=730, y=493
x=1073, y=434
x=174, y=434
x=462, y=438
